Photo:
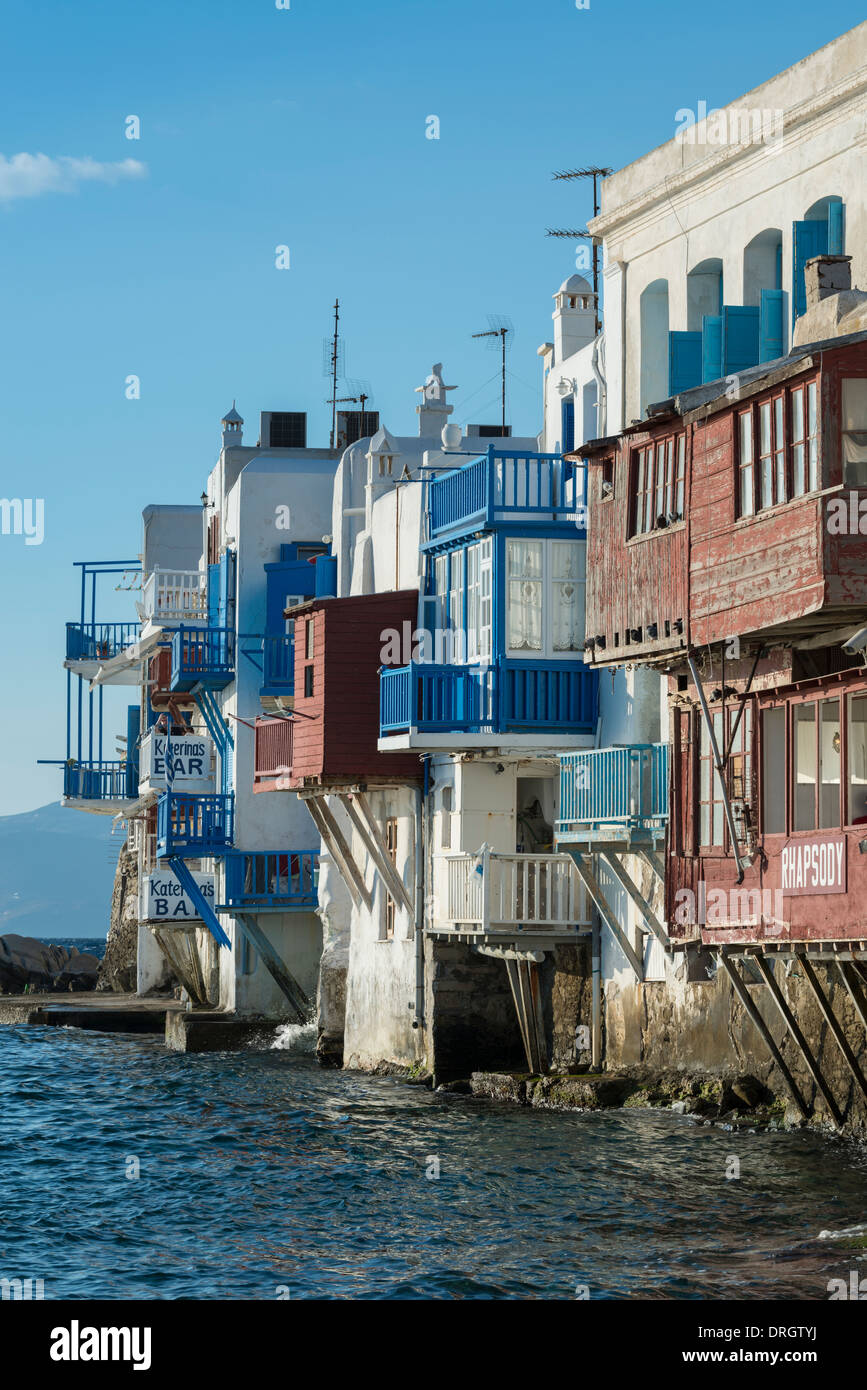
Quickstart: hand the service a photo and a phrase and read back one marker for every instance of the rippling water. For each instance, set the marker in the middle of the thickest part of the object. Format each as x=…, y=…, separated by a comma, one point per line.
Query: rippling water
x=260, y=1170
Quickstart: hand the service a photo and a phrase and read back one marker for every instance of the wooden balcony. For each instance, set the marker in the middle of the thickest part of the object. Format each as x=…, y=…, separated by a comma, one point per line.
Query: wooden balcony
x=190, y=826
x=504, y=487
x=532, y=896
x=174, y=596
x=106, y=786
x=203, y=656
x=614, y=796
x=272, y=881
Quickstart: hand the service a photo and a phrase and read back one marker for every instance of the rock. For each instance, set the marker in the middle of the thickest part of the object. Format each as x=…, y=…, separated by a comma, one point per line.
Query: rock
x=329, y=1050
x=456, y=1088
x=679, y=1107
x=744, y=1093
x=29, y=964
x=119, y=967
x=80, y=972
x=499, y=1086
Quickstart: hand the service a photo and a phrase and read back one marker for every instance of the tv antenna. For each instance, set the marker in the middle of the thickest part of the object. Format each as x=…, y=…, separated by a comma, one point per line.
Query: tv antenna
x=595, y=172
x=332, y=365
x=362, y=394
x=503, y=329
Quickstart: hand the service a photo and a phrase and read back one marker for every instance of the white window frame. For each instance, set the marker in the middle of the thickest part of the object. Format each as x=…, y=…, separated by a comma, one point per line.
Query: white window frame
x=547, y=652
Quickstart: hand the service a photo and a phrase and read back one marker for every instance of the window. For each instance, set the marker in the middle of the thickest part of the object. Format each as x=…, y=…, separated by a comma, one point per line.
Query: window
x=816, y=765
x=854, y=427
x=857, y=760
x=772, y=454
x=391, y=847
x=711, y=813
x=745, y=463
x=308, y=681
x=308, y=639
x=568, y=593
x=524, y=595
x=734, y=737
x=479, y=601
x=446, y=818
x=829, y=764
x=774, y=771
x=465, y=616
x=607, y=479
x=804, y=767
x=766, y=433
x=658, y=473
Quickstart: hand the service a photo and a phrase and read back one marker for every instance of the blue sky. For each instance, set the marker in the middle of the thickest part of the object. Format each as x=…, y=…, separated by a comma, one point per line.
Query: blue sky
x=304, y=127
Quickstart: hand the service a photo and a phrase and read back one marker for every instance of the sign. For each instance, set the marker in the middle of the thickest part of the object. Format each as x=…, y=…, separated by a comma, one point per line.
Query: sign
x=188, y=756
x=164, y=900
x=814, y=866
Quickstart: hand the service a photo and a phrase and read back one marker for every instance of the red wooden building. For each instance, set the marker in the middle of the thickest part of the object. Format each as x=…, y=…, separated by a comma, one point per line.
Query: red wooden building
x=727, y=547
x=330, y=740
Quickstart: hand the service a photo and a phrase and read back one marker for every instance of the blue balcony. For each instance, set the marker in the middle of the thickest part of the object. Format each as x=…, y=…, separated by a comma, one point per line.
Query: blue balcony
x=614, y=795
x=278, y=665
x=501, y=487
x=511, y=696
x=203, y=656
x=99, y=641
x=272, y=882
x=190, y=826
x=109, y=782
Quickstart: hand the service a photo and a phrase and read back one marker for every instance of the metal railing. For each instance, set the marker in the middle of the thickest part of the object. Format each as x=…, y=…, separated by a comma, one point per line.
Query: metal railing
x=99, y=641
x=278, y=666
x=174, y=595
x=509, y=695
x=272, y=879
x=190, y=825
x=626, y=785
x=495, y=892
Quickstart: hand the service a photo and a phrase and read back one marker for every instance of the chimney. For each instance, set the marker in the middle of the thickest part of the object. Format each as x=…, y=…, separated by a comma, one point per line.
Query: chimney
x=826, y=275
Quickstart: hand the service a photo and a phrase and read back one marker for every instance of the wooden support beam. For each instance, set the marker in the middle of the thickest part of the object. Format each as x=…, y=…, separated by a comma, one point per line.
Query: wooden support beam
x=765, y=969
x=276, y=967
x=652, y=859
x=854, y=982
x=363, y=819
x=629, y=886
x=759, y=1023
x=339, y=850
x=524, y=981
x=831, y=1020
x=593, y=887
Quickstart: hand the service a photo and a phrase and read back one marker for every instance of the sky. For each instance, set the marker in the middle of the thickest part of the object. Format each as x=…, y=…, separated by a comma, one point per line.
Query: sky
x=302, y=127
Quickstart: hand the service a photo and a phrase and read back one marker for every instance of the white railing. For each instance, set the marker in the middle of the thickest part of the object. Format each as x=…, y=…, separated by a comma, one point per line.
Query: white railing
x=495, y=892
x=174, y=596
x=139, y=839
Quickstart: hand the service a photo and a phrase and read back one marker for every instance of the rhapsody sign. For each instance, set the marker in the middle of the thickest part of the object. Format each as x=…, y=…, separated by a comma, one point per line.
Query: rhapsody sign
x=814, y=866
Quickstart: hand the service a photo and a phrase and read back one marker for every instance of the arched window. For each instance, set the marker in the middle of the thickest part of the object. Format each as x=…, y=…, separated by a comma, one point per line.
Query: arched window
x=654, y=343
x=704, y=292
x=763, y=264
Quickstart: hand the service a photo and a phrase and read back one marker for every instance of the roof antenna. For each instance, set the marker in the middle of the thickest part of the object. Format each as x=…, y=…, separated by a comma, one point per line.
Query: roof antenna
x=595, y=172
x=500, y=328
x=332, y=365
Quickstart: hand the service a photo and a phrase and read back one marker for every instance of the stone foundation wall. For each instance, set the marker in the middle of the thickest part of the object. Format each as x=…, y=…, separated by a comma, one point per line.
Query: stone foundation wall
x=117, y=971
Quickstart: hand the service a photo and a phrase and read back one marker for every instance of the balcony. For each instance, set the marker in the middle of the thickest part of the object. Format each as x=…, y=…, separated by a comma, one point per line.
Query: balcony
x=538, y=895
x=519, y=697
x=272, y=881
x=174, y=596
x=109, y=785
x=614, y=795
x=274, y=739
x=502, y=487
x=203, y=656
x=190, y=826
x=278, y=665
x=98, y=642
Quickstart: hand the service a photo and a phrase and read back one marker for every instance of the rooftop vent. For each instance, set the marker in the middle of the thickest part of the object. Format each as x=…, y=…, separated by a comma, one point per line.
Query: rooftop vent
x=489, y=431
x=283, y=429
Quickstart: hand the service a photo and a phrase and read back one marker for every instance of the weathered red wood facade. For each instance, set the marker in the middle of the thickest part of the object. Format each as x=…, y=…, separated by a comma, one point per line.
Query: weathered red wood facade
x=331, y=738
x=727, y=546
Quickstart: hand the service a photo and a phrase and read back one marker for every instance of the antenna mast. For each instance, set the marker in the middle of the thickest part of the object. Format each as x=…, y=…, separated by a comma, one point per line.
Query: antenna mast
x=595, y=172
x=500, y=328
x=335, y=353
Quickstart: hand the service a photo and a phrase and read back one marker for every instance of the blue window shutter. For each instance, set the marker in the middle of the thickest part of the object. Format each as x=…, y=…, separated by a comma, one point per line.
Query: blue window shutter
x=684, y=361
x=213, y=595
x=227, y=588
x=711, y=347
x=772, y=317
x=740, y=338
x=835, y=229
x=133, y=728
x=567, y=423
x=808, y=239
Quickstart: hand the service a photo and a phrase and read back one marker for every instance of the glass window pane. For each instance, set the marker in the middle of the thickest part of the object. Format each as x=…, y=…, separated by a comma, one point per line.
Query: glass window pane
x=857, y=760
x=854, y=426
x=568, y=597
x=648, y=496
x=660, y=482
x=774, y=771
x=524, y=607
x=681, y=474
x=829, y=764
x=779, y=451
x=804, y=767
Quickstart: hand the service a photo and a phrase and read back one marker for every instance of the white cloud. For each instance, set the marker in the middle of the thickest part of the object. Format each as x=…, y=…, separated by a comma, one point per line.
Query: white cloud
x=29, y=175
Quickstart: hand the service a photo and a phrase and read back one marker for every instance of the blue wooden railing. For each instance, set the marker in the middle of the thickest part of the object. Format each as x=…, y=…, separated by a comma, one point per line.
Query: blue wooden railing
x=106, y=780
x=203, y=656
x=502, y=486
x=627, y=786
x=189, y=825
x=267, y=879
x=278, y=667
x=510, y=695
x=98, y=641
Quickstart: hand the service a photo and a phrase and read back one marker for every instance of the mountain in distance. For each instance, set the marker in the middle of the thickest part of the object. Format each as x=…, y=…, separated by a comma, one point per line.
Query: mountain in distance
x=57, y=872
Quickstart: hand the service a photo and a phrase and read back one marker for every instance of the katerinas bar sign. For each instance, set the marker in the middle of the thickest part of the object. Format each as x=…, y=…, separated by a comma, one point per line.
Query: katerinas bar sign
x=187, y=758
x=814, y=866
